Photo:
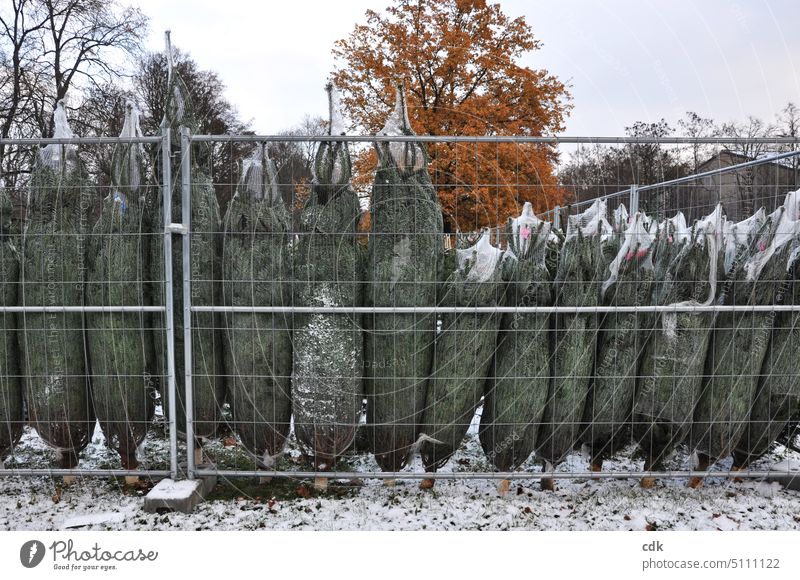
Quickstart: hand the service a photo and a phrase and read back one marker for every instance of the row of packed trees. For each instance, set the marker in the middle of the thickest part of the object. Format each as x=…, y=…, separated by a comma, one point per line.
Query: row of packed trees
x=598, y=170
x=459, y=60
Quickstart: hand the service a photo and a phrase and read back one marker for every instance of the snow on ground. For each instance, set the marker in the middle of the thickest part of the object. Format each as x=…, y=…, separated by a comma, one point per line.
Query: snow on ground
x=286, y=504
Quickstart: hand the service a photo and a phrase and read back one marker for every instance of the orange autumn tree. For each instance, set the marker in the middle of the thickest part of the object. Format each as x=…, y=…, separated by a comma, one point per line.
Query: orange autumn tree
x=459, y=60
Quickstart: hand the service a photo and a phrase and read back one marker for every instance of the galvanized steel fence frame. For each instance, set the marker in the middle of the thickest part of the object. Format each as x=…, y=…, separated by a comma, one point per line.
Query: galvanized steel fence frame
x=184, y=230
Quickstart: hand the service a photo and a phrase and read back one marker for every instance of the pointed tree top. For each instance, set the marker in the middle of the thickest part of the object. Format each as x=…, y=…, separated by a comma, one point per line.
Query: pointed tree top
x=335, y=121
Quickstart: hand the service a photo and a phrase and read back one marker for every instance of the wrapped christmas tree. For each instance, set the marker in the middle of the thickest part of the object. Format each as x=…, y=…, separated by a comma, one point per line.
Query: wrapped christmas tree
x=738, y=345
x=52, y=273
x=327, y=379
x=464, y=350
x=11, y=408
x=686, y=266
x=121, y=344
x=516, y=390
x=205, y=268
x=577, y=283
x=405, y=246
x=258, y=346
x=622, y=339
x=777, y=397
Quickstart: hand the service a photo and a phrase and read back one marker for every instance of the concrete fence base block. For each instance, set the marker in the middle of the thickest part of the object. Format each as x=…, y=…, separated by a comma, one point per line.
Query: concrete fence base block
x=787, y=473
x=789, y=481
x=180, y=496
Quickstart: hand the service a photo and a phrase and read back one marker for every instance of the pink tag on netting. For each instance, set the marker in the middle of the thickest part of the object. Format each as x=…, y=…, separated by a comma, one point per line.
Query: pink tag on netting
x=525, y=233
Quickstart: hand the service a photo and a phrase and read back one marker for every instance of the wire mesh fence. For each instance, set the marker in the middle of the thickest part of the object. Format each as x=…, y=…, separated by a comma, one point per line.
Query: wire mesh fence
x=319, y=306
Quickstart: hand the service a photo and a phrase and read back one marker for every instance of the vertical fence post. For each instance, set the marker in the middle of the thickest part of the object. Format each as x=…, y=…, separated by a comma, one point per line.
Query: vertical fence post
x=634, y=199
x=169, y=317
x=557, y=217
x=186, y=219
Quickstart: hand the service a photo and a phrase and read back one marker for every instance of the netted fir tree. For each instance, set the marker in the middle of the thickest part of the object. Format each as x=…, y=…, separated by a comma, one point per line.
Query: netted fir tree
x=122, y=344
x=621, y=342
x=11, y=405
x=54, y=360
x=464, y=349
x=405, y=248
x=205, y=269
x=777, y=397
x=327, y=377
x=258, y=345
x=582, y=263
x=517, y=387
x=686, y=263
x=738, y=343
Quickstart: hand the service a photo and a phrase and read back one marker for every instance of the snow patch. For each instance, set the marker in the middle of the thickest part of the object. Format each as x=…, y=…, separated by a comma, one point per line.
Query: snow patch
x=168, y=489
x=91, y=519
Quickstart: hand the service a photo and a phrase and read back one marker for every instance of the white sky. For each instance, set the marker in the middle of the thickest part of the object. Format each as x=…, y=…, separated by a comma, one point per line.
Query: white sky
x=626, y=60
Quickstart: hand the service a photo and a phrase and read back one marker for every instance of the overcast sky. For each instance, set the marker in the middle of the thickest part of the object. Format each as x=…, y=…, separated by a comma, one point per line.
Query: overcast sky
x=626, y=60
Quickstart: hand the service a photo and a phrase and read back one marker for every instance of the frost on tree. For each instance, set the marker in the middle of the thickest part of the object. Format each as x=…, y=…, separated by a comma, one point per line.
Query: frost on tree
x=777, y=396
x=11, y=407
x=258, y=346
x=122, y=344
x=686, y=263
x=463, y=349
x=53, y=273
x=739, y=340
x=578, y=280
x=517, y=388
x=205, y=271
x=404, y=251
x=327, y=378
x=621, y=341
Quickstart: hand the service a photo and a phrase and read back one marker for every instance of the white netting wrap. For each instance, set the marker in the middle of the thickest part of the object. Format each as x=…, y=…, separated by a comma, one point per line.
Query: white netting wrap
x=674, y=228
x=524, y=227
x=128, y=158
x=405, y=155
x=592, y=222
x=620, y=218
x=339, y=173
x=785, y=226
x=707, y=233
x=254, y=183
x=481, y=260
x=335, y=117
x=739, y=235
x=635, y=246
x=55, y=155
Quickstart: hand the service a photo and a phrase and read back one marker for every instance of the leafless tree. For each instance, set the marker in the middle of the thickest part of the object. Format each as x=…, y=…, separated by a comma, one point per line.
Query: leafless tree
x=697, y=127
x=789, y=126
x=745, y=179
x=51, y=47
